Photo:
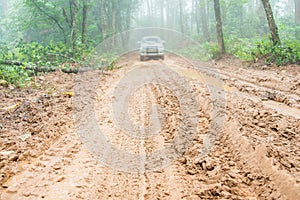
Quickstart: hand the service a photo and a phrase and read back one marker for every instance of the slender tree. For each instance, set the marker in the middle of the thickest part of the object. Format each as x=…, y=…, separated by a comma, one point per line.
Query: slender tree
x=192, y=21
x=181, y=16
x=129, y=15
x=297, y=12
x=44, y=11
x=162, y=13
x=84, y=21
x=297, y=17
x=103, y=19
x=221, y=44
x=73, y=12
x=169, y=13
x=271, y=21
x=197, y=16
x=149, y=8
x=114, y=17
x=204, y=20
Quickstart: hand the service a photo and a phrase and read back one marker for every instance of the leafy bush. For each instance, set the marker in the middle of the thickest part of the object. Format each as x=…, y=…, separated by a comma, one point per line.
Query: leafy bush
x=212, y=50
x=203, y=51
x=286, y=53
x=39, y=55
x=34, y=54
x=240, y=47
x=14, y=75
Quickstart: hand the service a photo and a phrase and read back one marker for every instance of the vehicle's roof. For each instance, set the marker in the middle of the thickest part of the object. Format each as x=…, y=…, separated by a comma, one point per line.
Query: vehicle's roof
x=146, y=37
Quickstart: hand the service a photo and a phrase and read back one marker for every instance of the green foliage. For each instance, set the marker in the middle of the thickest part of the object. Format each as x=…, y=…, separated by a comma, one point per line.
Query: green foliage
x=240, y=47
x=35, y=54
x=212, y=50
x=263, y=49
x=288, y=28
x=46, y=28
x=98, y=61
x=203, y=52
x=112, y=66
x=39, y=55
x=286, y=53
x=14, y=75
x=107, y=60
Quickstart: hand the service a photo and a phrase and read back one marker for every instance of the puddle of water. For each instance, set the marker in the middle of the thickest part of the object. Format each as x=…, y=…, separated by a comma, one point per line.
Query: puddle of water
x=202, y=78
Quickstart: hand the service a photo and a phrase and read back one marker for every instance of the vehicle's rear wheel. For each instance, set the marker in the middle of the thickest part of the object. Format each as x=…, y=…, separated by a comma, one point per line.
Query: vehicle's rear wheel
x=162, y=57
x=142, y=58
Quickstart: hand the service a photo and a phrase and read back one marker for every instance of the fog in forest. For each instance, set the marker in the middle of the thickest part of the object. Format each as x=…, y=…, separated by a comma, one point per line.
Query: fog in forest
x=241, y=28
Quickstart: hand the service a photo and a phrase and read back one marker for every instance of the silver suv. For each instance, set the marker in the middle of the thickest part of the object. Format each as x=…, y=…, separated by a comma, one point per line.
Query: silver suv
x=151, y=46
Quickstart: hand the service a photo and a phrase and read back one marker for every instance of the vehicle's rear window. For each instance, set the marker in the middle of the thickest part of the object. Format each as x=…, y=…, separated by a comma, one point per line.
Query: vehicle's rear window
x=151, y=40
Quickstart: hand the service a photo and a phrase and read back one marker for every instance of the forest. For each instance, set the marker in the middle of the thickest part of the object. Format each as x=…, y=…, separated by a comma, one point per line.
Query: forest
x=49, y=33
x=152, y=99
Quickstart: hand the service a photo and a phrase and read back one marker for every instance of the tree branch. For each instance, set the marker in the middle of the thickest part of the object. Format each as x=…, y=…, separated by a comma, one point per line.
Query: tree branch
x=52, y=18
x=66, y=16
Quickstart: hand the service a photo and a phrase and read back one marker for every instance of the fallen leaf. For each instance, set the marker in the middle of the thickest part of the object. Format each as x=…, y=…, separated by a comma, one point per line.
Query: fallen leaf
x=69, y=94
x=3, y=82
x=11, y=107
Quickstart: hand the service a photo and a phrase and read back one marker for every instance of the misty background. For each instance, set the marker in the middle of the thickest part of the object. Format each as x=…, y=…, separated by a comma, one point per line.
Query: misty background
x=36, y=31
x=46, y=20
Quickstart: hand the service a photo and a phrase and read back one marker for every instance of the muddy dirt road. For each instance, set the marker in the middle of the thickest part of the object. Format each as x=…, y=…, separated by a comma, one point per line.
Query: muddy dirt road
x=164, y=130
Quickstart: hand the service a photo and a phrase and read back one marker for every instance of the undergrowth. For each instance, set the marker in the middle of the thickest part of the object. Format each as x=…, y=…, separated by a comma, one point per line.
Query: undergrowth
x=288, y=52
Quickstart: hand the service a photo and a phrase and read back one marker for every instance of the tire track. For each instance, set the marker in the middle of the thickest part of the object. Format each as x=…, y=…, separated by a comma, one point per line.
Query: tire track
x=256, y=160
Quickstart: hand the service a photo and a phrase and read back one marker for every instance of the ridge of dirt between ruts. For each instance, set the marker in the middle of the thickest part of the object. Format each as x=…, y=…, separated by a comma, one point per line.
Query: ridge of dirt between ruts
x=280, y=84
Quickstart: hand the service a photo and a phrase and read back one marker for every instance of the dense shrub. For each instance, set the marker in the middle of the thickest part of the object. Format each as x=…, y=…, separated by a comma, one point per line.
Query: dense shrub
x=37, y=54
x=288, y=52
x=14, y=75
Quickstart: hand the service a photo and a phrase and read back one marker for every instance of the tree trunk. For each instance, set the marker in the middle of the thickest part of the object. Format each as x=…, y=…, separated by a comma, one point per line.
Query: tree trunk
x=197, y=16
x=297, y=12
x=208, y=4
x=103, y=19
x=126, y=35
x=204, y=21
x=221, y=44
x=169, y=13
x=162, y=17
x=113, y=22
x=53, y=19
x=73, y=12
x=192, y=22
x=271, y=21
x=241, y=13
x=84, y=21
x=181, y=16
x=149, y=8
x=128, y=16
